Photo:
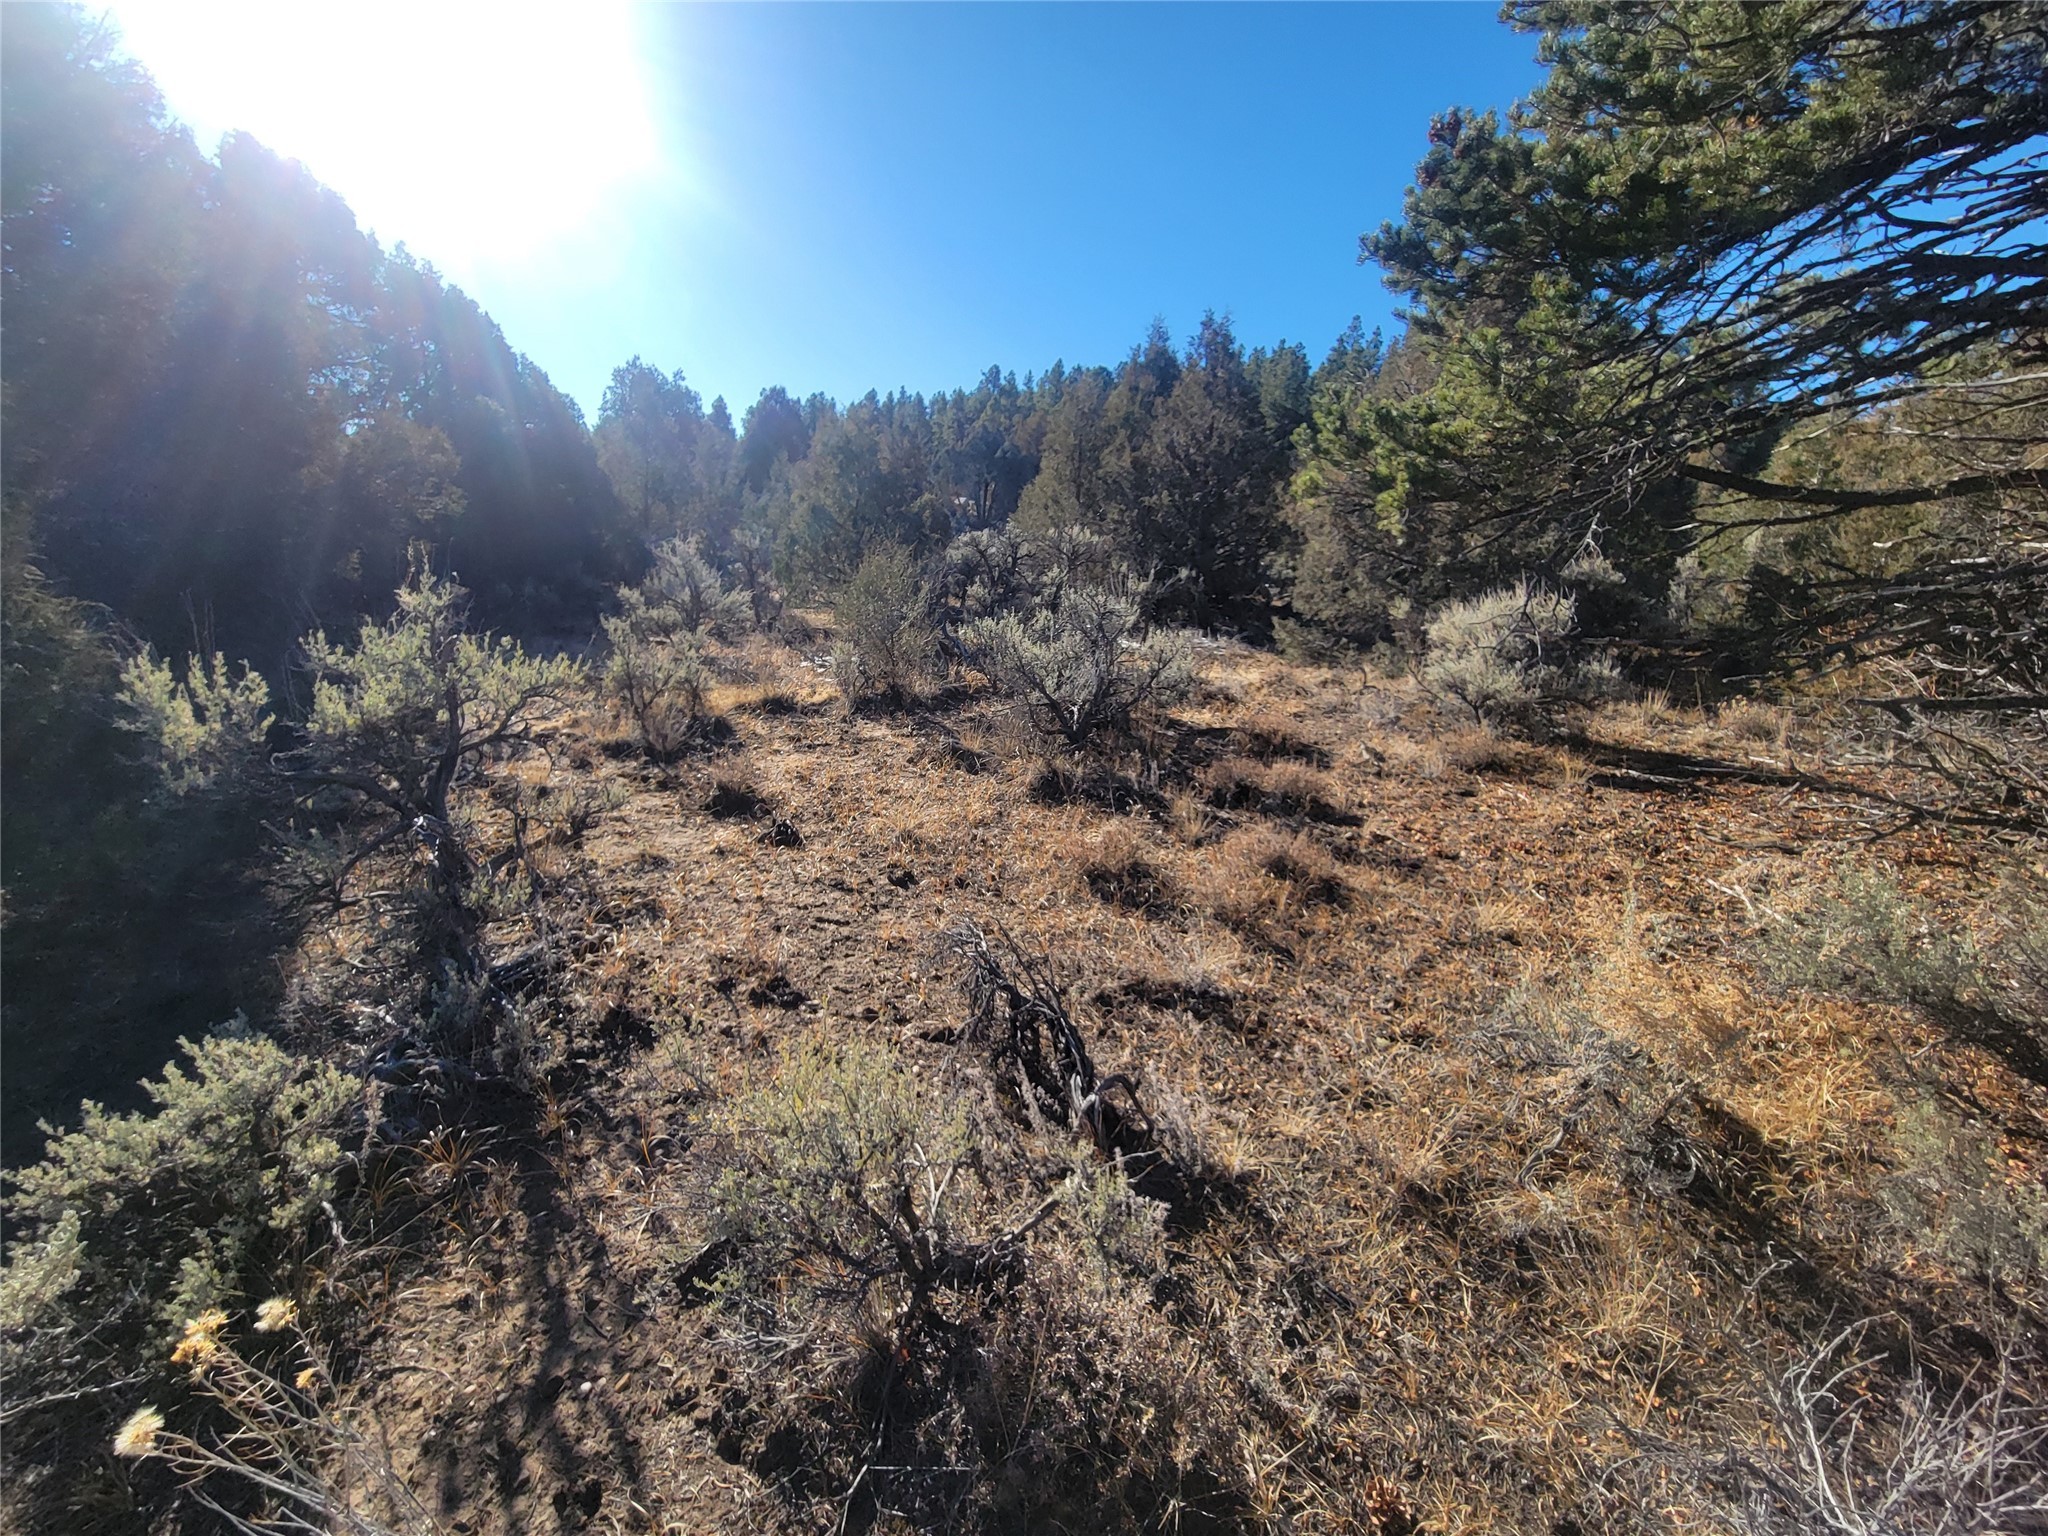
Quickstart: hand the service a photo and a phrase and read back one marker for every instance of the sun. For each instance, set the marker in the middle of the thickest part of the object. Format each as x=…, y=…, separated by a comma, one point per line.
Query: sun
x=484, y=137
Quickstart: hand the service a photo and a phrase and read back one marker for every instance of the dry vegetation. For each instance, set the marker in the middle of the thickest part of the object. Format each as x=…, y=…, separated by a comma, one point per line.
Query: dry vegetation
x=1455, y=1163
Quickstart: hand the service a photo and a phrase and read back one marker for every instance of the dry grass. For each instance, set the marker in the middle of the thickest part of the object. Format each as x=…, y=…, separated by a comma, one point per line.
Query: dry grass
x=1508, y=1187
x=1754, y=721
x=1117, y=867
x=1266, y=734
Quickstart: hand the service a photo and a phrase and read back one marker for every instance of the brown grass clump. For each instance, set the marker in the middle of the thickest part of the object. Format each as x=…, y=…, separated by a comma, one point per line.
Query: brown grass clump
x=1118, y=870
x=1754, y=720
x=1274, y=788
x=1190, y=817
x=1275, y=888
x=1477, y=749
x=734, y=797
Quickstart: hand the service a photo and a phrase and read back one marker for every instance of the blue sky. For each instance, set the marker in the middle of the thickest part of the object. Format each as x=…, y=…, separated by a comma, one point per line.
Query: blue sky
x=846, y=197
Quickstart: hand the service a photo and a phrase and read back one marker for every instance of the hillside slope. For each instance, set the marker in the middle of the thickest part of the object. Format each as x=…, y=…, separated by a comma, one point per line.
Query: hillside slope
x=1313, y=1114
x=1502, y=1186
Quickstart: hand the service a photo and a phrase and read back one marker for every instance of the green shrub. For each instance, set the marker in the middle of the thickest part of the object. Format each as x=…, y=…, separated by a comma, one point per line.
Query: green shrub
x=686, y=593
x=203, y=726
x=886, y=642
x=657, y=676
x=194, y=1203
x=847, y=1169
x=133, y=1225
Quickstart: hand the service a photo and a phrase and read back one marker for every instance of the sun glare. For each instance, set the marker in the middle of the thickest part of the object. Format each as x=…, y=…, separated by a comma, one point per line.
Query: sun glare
x=484, y=137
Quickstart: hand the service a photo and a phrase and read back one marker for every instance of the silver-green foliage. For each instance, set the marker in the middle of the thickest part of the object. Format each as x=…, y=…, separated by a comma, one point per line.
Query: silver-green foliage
x=684, y=592
x=1084, y=663
x=1860, y=930
x=1985, y=977
x=183, y=1207
x=1123, y=1233
x=201, y=727
x=1947, y=1189
x=398, y=715
x=1060, y=558
x=395, y=719
x=983, y=568
x=656, y=673
x=857, y=1195
x=1502, y=653
x=846, y=1170
x=886, y=642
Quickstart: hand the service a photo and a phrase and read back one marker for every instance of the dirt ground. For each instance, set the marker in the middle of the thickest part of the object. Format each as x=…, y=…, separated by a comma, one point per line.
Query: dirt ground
x=1534, y=1182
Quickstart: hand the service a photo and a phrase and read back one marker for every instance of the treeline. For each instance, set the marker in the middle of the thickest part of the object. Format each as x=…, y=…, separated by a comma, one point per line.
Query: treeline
x=1178, y=457
x=230, y=413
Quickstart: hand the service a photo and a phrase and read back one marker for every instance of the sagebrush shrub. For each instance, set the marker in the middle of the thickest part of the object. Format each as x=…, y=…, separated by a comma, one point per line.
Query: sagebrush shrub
x=655, y=674
x=186, y=1205
x=1122, y=1233
x=753, y=564
x=1946, y=1190
x=1084, y=664
x=897, y=1315
x=1860, y=931
x=983, y=570
x=204, y=726
x=886, y=643
x=396, y=719
x=847, y=1168
x=684, y=591
x=134, y=1224
x=1057, y=560
x=1984, y=978
x=1501, y=653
